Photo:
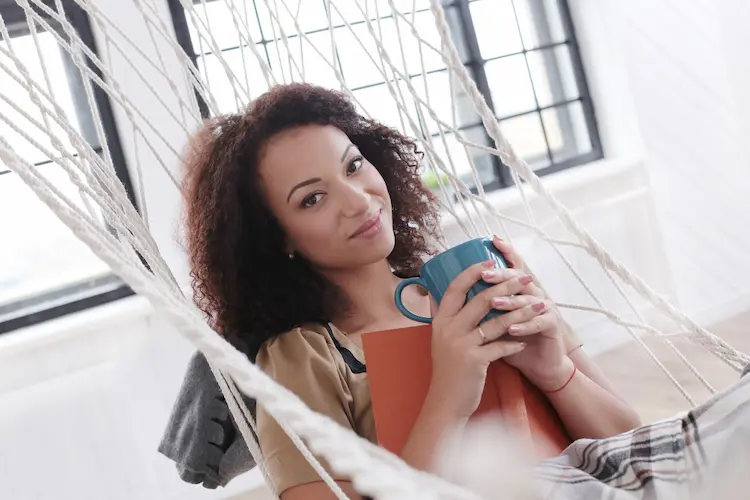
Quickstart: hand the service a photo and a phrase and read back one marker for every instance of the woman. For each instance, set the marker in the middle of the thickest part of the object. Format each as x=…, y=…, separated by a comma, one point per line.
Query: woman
x=302, y=217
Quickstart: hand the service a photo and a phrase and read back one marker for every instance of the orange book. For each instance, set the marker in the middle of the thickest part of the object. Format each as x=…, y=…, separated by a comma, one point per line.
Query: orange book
x=399, y=368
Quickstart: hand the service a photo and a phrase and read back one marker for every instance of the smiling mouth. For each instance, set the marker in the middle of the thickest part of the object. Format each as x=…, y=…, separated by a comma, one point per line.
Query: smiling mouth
x=371, y=227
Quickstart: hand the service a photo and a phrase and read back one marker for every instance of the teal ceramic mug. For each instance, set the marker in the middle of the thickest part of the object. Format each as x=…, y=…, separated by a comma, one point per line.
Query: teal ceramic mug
x=438, y=272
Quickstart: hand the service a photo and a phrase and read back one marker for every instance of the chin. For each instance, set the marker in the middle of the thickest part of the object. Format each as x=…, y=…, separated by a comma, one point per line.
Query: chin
x=380, y=248
x=375, y=249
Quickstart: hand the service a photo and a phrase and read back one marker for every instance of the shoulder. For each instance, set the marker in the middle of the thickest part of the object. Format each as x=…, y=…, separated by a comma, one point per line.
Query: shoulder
x=305, y=346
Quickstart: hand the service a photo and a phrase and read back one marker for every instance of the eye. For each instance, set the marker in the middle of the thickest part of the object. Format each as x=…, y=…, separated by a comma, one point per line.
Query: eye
x=311, y=200
x=354, y=165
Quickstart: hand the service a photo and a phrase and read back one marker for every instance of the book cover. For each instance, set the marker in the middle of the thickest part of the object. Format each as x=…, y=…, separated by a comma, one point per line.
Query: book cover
x=399, y=368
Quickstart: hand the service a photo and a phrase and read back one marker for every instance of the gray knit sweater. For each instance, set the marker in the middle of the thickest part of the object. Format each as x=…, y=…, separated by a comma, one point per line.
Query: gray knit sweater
x=201, y=437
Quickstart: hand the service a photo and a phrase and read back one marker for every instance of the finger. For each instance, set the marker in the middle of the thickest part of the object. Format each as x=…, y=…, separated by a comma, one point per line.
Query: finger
x=522, y=308
x=535, y=290
x=433, y=306
x=498, y=275
x=493, y=351
x=512, y=257
x=482, y=303
x=513, y=302
x=455, y=294
x=539, y=324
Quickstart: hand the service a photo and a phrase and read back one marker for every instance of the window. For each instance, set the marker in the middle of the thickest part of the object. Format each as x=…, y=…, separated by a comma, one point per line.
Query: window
x=522, y=54
x=47, y=271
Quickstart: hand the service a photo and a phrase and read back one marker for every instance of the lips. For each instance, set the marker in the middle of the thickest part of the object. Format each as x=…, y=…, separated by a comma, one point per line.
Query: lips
x=371, y=225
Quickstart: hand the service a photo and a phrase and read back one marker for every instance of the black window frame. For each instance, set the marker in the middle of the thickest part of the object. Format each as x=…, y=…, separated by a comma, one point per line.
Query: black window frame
x=55, y=303
x=473, y=60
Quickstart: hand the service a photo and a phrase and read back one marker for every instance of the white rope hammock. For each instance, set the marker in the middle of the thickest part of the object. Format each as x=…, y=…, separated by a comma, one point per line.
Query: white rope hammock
x=125, y=242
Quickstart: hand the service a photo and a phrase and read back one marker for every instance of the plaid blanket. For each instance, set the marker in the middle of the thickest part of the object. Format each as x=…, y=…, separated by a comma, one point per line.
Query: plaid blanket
x=703, y=454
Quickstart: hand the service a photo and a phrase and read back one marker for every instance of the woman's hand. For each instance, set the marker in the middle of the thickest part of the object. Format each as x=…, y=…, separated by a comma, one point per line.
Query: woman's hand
x=535, y=320
x=461, y=351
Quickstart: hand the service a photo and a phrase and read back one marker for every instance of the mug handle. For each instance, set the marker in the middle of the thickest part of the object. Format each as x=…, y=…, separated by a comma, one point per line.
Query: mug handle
x=400, y=305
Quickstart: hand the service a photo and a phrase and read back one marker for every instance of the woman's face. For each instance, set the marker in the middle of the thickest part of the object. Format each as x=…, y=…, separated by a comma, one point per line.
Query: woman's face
x=332, y=203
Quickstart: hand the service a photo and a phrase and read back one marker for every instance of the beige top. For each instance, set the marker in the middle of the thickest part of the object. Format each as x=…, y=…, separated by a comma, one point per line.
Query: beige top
x=307, y=362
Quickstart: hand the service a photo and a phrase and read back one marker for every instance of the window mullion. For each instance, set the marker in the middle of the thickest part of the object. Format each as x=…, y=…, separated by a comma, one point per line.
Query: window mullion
x=476, y=65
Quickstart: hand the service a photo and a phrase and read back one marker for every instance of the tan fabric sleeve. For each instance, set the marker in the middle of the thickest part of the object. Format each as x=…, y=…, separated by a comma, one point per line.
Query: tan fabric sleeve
x=301, y=361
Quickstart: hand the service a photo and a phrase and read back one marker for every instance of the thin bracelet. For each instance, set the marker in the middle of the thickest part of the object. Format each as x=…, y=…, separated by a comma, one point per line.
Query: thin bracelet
x=575, y=348
x=575, y=370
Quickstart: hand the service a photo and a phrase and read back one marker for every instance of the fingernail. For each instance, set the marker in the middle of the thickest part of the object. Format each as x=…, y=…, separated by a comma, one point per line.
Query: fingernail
x=521, y=345
x=538, y=307
x=488, y=263
x=525, y=280
x=488, y=275
x=500, y=301
x=514, y=329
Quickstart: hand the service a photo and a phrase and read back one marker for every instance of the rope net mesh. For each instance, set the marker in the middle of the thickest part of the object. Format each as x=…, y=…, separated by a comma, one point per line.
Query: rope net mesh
x=243, y=48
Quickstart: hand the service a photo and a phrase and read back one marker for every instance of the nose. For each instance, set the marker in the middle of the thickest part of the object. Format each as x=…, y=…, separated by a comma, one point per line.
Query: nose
x=355, y=200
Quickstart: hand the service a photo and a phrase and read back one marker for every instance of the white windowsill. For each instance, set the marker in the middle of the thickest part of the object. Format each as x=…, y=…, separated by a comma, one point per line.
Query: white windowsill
x=576, y=179
x=76, y=325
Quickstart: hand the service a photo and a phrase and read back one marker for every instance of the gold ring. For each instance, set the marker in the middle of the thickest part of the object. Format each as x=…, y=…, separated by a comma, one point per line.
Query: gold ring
x=482, y=334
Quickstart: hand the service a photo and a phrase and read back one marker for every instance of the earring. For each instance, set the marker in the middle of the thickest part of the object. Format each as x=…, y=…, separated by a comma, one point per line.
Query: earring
x=291, y=256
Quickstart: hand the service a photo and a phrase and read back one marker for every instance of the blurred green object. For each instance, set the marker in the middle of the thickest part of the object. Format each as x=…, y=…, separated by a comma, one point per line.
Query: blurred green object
x=430, y=178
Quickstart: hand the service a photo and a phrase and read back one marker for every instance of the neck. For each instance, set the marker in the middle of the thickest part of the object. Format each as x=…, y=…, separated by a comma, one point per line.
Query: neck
x=370, y=292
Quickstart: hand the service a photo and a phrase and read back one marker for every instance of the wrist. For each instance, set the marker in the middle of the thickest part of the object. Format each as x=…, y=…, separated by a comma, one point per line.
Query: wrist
x=551, y=381
x=441, y=410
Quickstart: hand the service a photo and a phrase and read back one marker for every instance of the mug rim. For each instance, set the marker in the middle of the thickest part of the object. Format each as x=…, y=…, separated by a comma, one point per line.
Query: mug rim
x=435, y=258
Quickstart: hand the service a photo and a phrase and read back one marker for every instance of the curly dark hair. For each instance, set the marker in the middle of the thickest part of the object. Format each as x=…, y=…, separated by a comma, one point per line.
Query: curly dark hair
x=241, y=275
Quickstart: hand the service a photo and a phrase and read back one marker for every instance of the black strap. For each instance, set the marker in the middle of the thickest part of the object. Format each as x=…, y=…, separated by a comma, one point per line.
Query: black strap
x=352, y=362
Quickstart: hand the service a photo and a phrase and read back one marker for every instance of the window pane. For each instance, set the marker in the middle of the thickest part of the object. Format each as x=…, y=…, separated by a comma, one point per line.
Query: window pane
x=312, y=62
x=552, y=74
x=567, y=131
x=439, y=89
x=225, y=21
x=240, y=75
x=360, y=68
x=540, y=22
x=310, y=14
x=452, y=149
x=526, y=137
x=350, y=10
x=29, y=233
x=510, y=86
x=425, y=26
x=382, y=106
x=496, y=28
x=14, y=92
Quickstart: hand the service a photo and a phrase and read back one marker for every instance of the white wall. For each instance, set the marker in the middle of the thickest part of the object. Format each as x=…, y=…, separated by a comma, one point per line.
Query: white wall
x=687, y=74
x=84, y=399
x=84, y=402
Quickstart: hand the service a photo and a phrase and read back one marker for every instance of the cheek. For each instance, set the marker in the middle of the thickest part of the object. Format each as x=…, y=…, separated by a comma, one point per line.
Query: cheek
x=377, y=183
x=312, y=234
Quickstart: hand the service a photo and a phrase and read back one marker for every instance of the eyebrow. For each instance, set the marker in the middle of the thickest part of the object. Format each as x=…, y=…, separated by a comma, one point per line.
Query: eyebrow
x=315, y=179
x=301, y=185
x=350, y=146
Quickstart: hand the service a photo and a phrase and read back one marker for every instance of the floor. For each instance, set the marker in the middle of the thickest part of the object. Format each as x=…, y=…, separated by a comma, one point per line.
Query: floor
x=655, y=397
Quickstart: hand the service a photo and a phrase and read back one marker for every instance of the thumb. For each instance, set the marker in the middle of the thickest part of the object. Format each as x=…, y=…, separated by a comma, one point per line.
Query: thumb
x=433, y=306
